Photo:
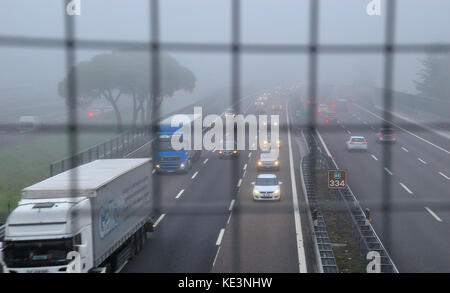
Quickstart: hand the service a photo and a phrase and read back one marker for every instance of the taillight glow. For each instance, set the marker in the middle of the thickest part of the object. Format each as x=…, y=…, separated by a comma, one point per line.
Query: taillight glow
x=364, y=142
x=380, y=134
x=394, y=134
x=351, y=142
x=91, y=114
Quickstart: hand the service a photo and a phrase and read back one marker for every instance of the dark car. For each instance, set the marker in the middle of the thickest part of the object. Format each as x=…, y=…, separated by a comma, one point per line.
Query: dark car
x=330, y=116
x=229, y=150
x=387, y=134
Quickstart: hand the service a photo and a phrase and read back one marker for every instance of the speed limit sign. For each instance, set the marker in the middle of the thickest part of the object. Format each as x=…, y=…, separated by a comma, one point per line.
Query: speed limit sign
x=337, y=179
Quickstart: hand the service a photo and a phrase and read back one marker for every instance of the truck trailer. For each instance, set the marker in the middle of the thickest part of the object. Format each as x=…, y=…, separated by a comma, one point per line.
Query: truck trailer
x=92, y=218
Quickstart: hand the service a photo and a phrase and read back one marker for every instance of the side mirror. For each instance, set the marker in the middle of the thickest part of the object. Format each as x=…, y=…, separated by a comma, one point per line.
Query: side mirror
x=82, y=249
x=253, y=183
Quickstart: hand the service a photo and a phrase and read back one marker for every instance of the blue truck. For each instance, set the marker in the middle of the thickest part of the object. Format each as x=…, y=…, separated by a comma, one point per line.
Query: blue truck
x=165, y=157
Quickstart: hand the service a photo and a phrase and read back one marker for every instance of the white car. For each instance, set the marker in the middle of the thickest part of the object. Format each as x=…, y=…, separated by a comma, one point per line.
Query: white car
x=266, y=187
x=356, y=143
x=268, y=159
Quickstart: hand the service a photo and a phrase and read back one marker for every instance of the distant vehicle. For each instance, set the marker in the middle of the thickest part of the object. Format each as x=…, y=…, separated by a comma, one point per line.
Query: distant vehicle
x=356, y=143
x=229, y=150
x=102, y=221
x=229, y=113
x=268, y=160
x=387, y=135
x=95, y=112
x=277, y=107
x=29, y=123
x=341, y=105
x=165, y=157
x=266, y=187
x=330, y=116
x=322, y=108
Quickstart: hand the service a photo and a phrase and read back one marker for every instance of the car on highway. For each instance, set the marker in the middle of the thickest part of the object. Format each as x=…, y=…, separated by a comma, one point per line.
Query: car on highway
x=387, y=134
x=322, y=108
x=268, y=160
x=266, y=187
x=229, y=150
x=277, y=107
x=356, y=143
x=29, y=123
x=229, y=113
x=330, y=116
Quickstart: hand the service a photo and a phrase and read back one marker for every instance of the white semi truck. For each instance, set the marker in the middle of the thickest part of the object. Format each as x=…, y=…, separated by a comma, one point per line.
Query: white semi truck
x=92, y=218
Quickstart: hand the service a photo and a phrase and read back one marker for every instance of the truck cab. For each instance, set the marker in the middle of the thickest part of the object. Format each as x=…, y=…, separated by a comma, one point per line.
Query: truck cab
x=40, y=235
x=165, y=157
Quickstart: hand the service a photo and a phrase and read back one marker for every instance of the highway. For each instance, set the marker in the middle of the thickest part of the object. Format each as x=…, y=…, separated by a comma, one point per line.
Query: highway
x=210, y=223
x=418, y=236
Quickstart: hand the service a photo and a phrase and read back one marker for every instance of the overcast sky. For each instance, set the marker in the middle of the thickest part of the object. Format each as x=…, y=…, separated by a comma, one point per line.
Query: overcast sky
x=209, y=21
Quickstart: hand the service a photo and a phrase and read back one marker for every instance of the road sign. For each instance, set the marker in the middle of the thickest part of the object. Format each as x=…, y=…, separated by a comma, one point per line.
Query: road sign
x=337, y=179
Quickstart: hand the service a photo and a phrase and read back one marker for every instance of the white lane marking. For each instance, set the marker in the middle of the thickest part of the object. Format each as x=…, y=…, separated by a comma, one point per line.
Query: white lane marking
x=297, y=220
x=179, y=193
x=195, y=175
x=249, y=154
x=373, y=157
x=406, y=188
x=219, y=239
x=239, y=183
x=153, y=171
x=407, y=131
x=373, y=128
x=387, y=170
x=229, y=218
x=245, y=172
x=433, y=214
x=406, y=150
x=422, y=161
x=159, y=220
x=245, y=166
x=205, y=161
x=217, y=254
x=443, y=175
x=348, y=131
x=231, y=205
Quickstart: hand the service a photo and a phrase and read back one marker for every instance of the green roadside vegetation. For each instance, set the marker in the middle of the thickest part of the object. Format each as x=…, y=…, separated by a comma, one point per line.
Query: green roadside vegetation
x=26, y=163
x=345, y=249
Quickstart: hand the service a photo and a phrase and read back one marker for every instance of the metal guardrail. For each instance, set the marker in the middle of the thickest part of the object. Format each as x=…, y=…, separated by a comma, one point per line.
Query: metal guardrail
x=325, y=259
x=362, y=229
x=2, y=232
x=116, y=147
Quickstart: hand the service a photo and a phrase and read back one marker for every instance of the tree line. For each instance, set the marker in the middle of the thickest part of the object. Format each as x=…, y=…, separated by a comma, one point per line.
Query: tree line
x=111, y=76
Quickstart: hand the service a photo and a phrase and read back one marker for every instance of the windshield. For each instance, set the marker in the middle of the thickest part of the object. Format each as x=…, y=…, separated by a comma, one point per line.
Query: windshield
x=37, y=253
x=387, y=130
x=164, y=143
x=358, y=139
x=266, y=181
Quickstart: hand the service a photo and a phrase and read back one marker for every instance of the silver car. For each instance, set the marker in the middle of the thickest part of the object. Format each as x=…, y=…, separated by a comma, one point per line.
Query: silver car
x=266, y=187
x=268, y=159
x=356, y=143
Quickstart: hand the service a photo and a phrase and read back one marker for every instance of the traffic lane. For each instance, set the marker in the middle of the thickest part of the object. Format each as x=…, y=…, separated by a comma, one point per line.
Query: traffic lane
x=422, y=176
x=423, y=149
x=412, y=233
x=184, y=241
x=416, y=176
x=260, y=236
x=414, y=128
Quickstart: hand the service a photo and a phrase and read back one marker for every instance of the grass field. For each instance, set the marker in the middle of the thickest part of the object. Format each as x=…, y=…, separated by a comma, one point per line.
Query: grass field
x=27, y=163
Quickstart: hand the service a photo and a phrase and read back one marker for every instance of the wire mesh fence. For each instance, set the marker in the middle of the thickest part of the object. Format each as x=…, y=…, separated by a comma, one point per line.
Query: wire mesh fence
x=313, y=50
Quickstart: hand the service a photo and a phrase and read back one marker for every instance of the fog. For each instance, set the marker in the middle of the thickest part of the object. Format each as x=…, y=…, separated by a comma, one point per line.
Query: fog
x=31, y=74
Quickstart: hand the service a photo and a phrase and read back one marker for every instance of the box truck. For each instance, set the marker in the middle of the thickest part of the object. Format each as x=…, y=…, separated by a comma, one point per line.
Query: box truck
x=92, y=218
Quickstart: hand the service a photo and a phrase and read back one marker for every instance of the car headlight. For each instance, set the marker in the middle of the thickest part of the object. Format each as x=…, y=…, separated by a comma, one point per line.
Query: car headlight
x=255, y=191
x=259, y=163
x=276, y=163
x=157, y=166
x=234, y=152
x=182, y=165
x=220, y=152
x=277, y=191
